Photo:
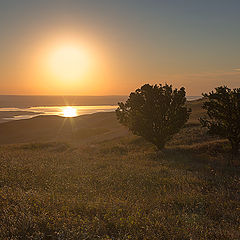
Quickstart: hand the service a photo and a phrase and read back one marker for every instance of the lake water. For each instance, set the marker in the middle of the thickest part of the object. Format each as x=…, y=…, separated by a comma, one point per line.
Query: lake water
x=64, y=111
x=17, y=113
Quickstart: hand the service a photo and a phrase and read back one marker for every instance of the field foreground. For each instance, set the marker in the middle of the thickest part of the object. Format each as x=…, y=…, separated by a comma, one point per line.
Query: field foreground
x=120, y=189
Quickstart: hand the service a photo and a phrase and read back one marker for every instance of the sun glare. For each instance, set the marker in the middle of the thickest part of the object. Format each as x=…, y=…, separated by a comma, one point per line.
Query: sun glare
x=69, y=112
x=68, y=62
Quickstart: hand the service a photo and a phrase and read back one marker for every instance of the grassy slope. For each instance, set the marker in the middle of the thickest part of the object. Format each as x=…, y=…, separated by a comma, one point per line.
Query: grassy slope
x=54, y=128
x=120, y=189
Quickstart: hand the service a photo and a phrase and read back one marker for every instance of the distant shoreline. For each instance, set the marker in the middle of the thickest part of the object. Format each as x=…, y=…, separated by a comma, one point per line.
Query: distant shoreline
x=25, y=107
x=25, y=101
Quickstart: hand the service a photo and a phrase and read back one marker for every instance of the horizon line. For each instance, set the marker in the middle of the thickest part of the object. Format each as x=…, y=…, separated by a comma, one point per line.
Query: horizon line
x=43, y=95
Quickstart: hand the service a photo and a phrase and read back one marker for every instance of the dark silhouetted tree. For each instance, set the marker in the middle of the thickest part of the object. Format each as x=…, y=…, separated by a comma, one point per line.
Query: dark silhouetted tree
x=154, y=112
x=223, y=111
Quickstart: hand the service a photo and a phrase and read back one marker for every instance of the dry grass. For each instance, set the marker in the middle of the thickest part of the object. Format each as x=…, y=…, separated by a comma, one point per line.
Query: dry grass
x=121, y=189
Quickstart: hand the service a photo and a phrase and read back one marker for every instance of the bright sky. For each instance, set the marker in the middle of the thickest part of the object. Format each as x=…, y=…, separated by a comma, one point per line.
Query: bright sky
x=112, y=47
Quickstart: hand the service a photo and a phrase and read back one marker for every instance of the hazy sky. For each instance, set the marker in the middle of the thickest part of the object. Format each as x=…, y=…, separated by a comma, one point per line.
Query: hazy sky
x=191, y=43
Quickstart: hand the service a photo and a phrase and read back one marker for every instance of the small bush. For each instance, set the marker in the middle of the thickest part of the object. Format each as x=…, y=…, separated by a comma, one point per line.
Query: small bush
x=223, y=110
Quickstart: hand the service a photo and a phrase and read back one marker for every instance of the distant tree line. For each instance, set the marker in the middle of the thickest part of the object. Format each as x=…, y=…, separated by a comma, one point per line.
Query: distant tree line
x=158, y=112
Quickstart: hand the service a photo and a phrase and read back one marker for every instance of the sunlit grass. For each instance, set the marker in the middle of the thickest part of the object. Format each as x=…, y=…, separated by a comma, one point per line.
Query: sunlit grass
x=120, y=189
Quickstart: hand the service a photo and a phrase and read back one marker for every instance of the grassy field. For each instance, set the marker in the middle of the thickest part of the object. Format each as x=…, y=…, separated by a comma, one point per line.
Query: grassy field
x=119, y=187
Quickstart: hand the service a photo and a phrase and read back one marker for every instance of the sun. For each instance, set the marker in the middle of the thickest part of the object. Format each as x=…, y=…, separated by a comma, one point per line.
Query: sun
x=68, y=62
x=69, y=112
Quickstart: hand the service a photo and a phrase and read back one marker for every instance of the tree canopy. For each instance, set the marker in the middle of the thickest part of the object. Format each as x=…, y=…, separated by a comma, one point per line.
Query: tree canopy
x=155, y=112
x=223, y=114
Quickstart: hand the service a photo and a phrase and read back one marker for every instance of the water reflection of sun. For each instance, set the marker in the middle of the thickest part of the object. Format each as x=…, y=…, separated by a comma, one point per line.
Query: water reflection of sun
x=69, y=112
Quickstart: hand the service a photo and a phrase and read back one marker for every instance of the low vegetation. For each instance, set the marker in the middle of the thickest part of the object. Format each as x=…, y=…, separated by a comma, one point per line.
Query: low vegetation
x=223, y=111
x=121, y=189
